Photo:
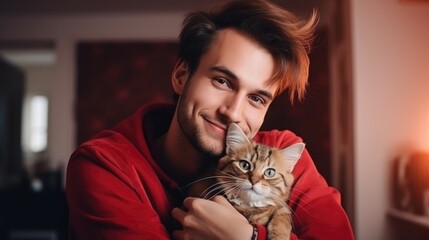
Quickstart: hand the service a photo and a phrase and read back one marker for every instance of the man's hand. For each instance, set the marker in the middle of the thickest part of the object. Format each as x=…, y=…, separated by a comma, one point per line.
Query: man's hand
x=210, y=219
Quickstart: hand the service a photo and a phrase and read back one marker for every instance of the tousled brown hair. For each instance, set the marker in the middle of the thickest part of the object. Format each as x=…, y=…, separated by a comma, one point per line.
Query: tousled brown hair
x=287, y=38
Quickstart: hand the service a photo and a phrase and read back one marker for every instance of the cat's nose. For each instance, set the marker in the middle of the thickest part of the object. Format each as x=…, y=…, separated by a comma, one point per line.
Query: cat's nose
x=254, y=180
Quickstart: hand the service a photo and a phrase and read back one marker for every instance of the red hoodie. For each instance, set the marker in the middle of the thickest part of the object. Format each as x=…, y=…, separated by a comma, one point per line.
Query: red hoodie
x=116, y=190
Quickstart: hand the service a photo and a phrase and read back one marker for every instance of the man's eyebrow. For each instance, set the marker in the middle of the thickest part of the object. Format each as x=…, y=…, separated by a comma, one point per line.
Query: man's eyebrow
x=266, y=94
x=230, y=74
x=224, y=70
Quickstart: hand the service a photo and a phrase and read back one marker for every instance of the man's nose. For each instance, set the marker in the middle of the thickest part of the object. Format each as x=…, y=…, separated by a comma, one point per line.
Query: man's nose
x=232, y=109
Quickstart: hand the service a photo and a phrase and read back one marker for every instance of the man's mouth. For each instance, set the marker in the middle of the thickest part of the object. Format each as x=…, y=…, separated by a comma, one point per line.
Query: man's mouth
x=216, y=127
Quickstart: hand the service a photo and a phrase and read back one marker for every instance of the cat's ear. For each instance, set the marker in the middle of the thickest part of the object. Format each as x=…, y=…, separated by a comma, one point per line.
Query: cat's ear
x=235, y=138
x=292, y=154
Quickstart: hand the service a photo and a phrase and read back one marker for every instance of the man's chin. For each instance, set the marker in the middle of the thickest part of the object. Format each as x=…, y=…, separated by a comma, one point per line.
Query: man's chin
x=213, y=150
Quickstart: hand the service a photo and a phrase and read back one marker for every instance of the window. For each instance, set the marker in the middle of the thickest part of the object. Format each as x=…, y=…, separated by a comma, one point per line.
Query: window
x=37, y=122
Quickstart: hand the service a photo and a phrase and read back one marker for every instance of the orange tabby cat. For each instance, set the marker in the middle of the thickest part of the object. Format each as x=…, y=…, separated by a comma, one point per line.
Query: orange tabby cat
x=257, y=180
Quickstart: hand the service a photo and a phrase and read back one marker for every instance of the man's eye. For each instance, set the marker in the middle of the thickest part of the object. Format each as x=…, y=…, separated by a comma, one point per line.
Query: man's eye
x=257, y=99
x=221, y=82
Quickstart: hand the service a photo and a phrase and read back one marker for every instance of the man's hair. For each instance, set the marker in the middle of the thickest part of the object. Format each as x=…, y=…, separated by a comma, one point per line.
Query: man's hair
x=277, y=30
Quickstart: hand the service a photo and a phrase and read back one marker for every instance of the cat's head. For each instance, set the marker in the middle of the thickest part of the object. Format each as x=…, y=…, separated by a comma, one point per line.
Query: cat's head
x=255, y=174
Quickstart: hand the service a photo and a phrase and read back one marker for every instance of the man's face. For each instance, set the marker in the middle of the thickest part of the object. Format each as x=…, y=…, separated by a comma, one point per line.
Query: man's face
x=229, y=85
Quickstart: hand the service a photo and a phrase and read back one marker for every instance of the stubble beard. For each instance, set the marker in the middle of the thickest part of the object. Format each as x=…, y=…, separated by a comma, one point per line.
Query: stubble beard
x=207, y=145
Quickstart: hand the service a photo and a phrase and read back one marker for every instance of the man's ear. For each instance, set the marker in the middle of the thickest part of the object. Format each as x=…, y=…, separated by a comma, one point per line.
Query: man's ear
x=179, y=76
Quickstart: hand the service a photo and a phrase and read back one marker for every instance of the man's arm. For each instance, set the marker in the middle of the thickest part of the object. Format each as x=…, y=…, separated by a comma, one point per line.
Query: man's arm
x=320, y=216
x=103, y=203
x=316, y=207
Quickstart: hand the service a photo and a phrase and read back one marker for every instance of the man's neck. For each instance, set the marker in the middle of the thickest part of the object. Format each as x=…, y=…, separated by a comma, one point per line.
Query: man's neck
x=178, y=158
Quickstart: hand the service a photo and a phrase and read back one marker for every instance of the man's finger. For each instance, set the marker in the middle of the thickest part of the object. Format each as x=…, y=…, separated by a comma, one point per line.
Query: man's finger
x=178, y=214
x=189, y=202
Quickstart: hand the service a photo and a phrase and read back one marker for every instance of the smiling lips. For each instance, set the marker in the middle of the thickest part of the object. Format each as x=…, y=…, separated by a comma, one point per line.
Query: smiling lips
x=218, y=128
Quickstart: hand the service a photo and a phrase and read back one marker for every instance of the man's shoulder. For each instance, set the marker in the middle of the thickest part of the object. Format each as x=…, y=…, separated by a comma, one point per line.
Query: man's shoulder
x=130, y=133
x=107, y=144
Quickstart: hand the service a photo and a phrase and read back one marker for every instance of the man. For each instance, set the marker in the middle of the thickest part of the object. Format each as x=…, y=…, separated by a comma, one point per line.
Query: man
x=127, y=183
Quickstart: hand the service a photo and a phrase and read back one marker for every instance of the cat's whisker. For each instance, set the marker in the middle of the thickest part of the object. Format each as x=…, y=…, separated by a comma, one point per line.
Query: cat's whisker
x=209, y=189
x=279, y=201
x=215, y=188
x=214, y=192
x=300, y=199
x=293, y=212
x=301, y=196
x=294, y=190
x=232, y=188
x=218, y=188
x=288, y=209
x=199, y=180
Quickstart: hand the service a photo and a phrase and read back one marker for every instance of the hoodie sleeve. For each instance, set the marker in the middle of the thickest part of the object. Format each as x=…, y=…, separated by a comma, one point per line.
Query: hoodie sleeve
x=106, y=201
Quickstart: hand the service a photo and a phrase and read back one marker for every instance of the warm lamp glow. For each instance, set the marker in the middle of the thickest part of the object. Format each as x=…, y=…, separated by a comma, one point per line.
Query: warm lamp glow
x=410, y=182
x=418, y=181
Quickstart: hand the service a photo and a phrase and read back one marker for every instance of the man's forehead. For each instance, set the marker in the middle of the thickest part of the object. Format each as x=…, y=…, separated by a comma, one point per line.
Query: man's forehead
x=238, y=52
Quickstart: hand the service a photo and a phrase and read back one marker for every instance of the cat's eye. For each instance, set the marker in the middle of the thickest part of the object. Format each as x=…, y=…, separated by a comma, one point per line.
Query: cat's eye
x=245, y=165
x=270, y=172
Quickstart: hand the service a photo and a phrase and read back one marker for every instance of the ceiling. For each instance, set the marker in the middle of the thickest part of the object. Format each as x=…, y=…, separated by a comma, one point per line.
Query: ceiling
x=20, y=8
x=16, y=9
x=67, y=7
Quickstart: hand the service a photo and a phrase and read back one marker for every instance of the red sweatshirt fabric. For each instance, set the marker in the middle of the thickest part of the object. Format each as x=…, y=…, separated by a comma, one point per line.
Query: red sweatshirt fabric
x=116, y=190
